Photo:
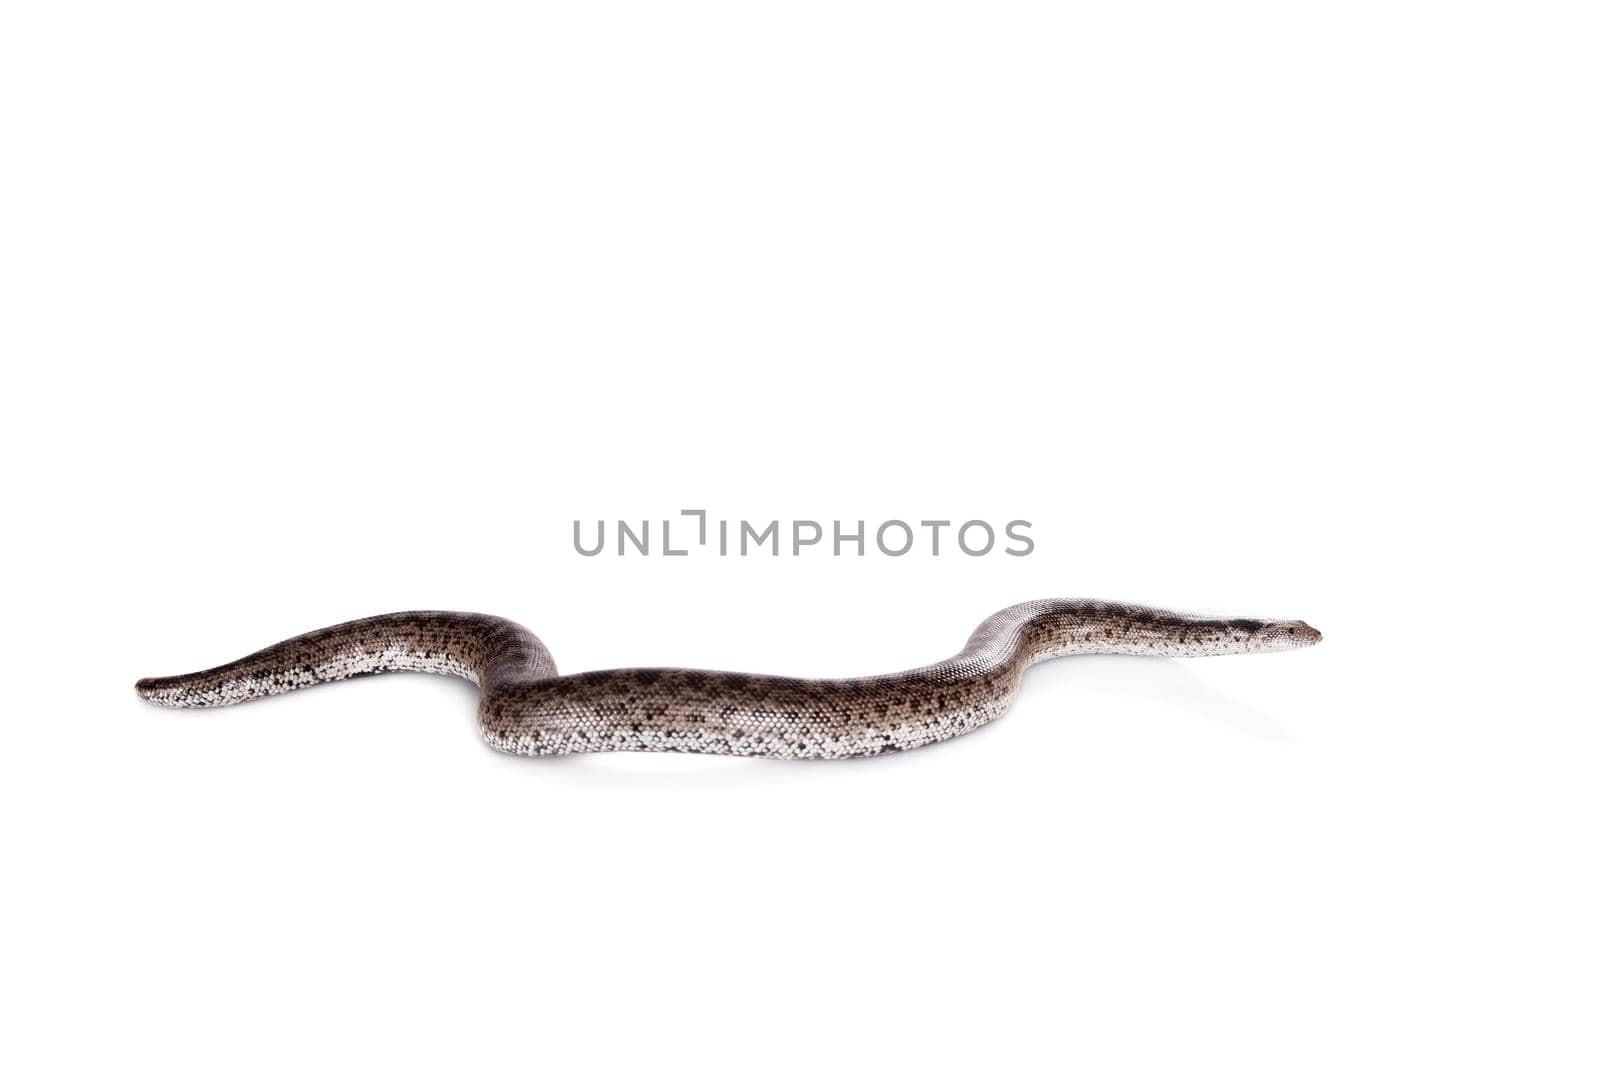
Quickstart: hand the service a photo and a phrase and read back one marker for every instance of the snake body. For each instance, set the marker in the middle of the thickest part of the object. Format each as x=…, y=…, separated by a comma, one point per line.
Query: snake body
x=528, y=708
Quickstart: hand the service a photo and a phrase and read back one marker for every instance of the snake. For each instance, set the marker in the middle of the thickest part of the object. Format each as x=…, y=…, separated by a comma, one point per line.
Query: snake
x=527, y=707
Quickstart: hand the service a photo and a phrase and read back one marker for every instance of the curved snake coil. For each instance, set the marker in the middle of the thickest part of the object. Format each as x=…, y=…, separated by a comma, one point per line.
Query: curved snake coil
x=528, y=708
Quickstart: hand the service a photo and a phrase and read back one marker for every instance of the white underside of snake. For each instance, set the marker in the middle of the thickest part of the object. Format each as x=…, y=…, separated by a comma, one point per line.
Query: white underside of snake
x=528, y=708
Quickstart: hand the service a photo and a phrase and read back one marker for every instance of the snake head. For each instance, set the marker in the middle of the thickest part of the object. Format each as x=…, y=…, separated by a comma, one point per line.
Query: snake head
x=1284, y=634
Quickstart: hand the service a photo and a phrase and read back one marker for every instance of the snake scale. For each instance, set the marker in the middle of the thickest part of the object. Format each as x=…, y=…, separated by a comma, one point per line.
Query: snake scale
x=530, y=709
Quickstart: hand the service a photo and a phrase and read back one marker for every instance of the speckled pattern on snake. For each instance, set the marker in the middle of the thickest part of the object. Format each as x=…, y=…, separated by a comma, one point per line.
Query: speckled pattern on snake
x=528, y=708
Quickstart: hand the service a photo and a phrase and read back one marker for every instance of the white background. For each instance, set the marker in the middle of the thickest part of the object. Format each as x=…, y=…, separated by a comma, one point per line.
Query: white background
x=318, y=310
